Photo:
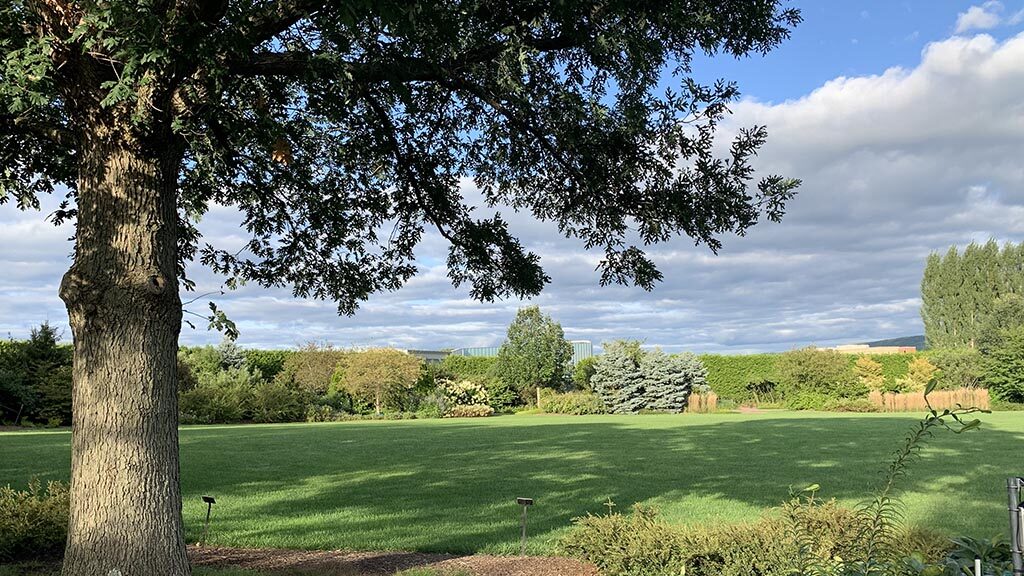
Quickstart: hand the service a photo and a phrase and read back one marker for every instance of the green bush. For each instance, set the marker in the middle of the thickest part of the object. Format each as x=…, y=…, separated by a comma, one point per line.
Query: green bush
x=223, y=397
x=575, y=403
x=641, y=544
x=465, y=367
x=824, y=372
x=958, y=368
x=1004, y=367
x=266, y=363
x=503, y=397
x=583, y=372
x=741, y=378
x=33, y=522
x=275, y=402
x=806, y=400
x=469, y=411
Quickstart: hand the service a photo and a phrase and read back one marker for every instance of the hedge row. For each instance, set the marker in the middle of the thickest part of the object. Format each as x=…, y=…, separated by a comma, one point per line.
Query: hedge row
x=737, y=377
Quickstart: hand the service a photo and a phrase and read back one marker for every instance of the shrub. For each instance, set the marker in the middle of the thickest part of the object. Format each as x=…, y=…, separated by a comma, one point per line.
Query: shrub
x=958, y=368
x=742, y=378
x=275, y=402
x=469, y=411
x=583, y=372
x=827, y=373
x=919, y=373
x=464, y=367
x=433, y=405
x=806, y=400
x=223, y=397
x=869, y=373
x=320, y=413
x=503, y=397
x=669, y=380
x=575, y=403
x=266, y=363
x=1004, y=367
x=33, y=522
x=379, y=374
x=641, y=544
x=464, y=392
x=310, y=368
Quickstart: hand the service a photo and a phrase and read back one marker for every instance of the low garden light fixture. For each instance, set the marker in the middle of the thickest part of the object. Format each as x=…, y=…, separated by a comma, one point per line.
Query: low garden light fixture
x=525, y=503
x=210, y=501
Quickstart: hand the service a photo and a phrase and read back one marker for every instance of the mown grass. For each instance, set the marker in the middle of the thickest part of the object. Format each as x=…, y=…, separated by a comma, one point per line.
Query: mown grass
x=450, y=485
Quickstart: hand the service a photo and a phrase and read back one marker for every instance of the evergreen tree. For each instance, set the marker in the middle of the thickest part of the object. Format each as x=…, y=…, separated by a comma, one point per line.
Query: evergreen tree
x=670, y=379
x=618, y=378
x=535, y=353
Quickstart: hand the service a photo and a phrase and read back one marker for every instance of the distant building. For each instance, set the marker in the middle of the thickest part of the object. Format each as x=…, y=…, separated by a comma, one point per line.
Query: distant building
x=581, y=349
x=430, y=356
x=866, y=349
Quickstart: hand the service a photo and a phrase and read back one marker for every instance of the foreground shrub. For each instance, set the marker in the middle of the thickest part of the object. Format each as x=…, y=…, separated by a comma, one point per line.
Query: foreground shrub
x=641, y=544
x=469, y=411
x=851, y=404
x=33, y=522
x=575, y=403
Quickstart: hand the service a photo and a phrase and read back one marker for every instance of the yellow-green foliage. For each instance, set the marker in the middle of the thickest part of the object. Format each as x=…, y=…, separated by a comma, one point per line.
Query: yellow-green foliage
x=641, y=544
x=919, y=372
x=869, y=372
x=372, y=374
x=575, y=403
x=33, y=522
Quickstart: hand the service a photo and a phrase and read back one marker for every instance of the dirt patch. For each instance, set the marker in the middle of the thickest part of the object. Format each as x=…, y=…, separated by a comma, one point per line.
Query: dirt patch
x=337, y=563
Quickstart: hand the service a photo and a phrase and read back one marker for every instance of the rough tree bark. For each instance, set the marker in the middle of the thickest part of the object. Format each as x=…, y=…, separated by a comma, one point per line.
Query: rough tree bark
x=122, y=299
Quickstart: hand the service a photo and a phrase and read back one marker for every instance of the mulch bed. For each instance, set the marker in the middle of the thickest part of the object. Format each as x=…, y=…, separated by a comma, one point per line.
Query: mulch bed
x=337, y=563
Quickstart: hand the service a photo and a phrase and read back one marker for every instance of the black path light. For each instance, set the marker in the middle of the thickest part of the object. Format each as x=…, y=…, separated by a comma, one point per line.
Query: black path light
x=210, y=501
x=525, y=503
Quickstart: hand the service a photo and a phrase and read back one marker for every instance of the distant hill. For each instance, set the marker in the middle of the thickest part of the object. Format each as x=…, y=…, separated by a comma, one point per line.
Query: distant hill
x=915, y=341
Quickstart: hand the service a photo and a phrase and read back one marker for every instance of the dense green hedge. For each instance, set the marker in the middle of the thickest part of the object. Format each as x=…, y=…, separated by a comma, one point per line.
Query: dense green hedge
x=461, y=367
x=729, y=376
x=735, y=377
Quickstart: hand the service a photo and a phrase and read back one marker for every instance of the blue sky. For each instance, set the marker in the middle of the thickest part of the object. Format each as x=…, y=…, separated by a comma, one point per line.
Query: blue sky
x=904, y=120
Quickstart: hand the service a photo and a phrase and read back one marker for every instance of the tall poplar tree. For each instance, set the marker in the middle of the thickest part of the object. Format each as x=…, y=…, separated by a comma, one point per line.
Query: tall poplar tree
x=960, y=291
x=341, y=133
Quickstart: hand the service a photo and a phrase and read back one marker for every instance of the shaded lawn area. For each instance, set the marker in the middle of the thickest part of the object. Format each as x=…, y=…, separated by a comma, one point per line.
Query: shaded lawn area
x=450, y=485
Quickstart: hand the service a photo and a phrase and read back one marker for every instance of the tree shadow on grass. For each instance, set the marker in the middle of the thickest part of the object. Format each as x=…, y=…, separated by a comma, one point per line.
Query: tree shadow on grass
x=450, y=487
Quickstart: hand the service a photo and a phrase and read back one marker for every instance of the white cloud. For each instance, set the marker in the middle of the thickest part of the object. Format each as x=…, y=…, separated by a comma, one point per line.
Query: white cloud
x=984, y=17
x=895, y=165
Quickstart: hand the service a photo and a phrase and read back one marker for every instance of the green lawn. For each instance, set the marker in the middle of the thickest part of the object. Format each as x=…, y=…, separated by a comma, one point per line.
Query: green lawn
x=450, y=485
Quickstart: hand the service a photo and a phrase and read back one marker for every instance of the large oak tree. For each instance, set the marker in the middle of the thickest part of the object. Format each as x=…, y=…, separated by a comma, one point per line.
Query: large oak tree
x=340, y=131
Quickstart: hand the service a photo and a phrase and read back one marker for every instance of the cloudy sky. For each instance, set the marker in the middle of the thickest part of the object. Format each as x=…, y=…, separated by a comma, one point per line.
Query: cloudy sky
x=905, y=121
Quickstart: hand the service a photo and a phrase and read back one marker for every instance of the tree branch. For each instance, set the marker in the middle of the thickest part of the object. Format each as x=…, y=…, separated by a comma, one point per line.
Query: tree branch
x=53, y=133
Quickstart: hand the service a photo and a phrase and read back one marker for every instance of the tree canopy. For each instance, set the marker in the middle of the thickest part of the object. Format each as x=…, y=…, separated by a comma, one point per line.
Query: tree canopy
x=535, y=353
x=342, y=131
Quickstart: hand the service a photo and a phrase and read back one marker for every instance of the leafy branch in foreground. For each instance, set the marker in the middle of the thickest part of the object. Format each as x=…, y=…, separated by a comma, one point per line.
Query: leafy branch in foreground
x=878, y=520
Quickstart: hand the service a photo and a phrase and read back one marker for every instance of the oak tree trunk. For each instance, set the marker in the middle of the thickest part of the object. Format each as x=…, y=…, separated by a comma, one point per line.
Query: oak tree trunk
x=122, y=299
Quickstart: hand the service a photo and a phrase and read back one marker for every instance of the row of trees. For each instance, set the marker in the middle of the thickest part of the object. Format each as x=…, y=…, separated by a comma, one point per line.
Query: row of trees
x=973, y=308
